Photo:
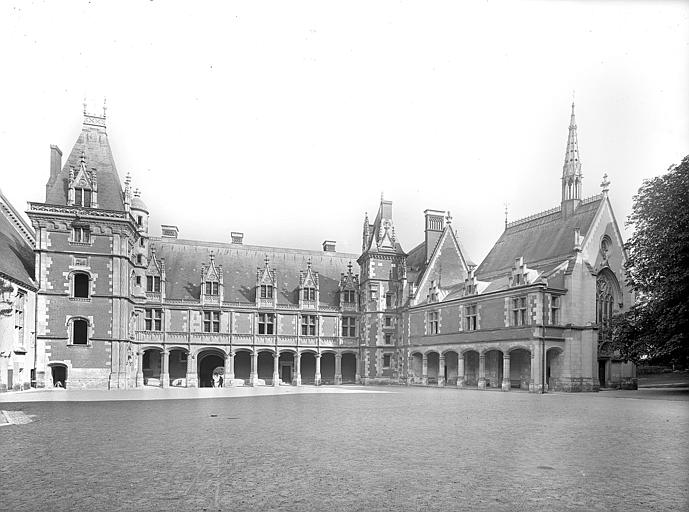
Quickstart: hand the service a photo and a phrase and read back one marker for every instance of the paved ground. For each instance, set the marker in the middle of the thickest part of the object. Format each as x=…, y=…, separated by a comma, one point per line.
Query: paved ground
x=399, y=449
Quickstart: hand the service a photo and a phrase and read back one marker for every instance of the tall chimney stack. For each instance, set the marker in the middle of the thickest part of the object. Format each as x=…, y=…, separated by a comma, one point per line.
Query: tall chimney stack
x=434, y=228
x=55, y=161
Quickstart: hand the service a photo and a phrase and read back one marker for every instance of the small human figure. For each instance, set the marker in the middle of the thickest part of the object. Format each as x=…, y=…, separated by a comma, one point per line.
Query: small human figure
x=220, y=381
x=216, y=380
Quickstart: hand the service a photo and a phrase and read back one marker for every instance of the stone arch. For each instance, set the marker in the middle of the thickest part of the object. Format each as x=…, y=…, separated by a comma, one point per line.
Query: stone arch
x=178, y=358
x=265, y=361
x=432, y=366
x=59, y=374
x=554, y=364
x=80, y=284
x=520, y=367
x=209, y=360
x=328, y=367
x=242, y=363
x=152, y=365
x=307, y=366
x=471, y=364
x=348, y=366
x=451, y=367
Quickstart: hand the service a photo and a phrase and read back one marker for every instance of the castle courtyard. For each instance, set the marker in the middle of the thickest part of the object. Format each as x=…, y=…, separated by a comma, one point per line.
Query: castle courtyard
x=321, y=448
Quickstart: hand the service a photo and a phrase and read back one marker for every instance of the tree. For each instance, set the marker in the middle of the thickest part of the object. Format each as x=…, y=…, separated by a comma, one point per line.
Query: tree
x=657, y=326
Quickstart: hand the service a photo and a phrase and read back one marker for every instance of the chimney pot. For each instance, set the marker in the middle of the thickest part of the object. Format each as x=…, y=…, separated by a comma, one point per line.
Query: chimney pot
x=55, y=160
x=329, y=246
x=237, y=238
x=169, y=231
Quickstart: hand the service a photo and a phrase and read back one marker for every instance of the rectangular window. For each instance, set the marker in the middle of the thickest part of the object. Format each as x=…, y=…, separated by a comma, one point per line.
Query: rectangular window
x=211, y=321
x=266, y=291
x=519, y=311
x=139, y=220
x=554, y=309
x=81, y=234
x=386, y=360
x=374, y=295
x=349, y=296
x=153, y=284
x=153, y=319
x=82, y=197
x=309, y=294
x=142, y=242
x=212, y=287
x=433, y=317
x=348, y=326
x=388, y=338
x=266, y=323
x=308, y=325
x=388, y=300
x=470, y=323
x=388, y=321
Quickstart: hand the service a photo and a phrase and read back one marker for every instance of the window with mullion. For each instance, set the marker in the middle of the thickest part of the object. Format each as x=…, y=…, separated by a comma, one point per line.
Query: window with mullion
x=433, y=317
x=82, y=197
x=153, y=319
x=309, y=294
x=348, y=326
x=211, y=321
x=266, y=323
x=81, y=234
x=212, y=288
x=153, y=283
x=308, y=325
x=266, y=291
x=349, y=297
x=470, y=323
x=519, y=311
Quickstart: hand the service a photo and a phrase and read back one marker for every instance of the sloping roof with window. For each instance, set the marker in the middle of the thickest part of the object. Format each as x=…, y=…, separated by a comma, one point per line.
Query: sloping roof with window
x=16, y=246
x=545, y=238
x=183, y=260
x=93, y=142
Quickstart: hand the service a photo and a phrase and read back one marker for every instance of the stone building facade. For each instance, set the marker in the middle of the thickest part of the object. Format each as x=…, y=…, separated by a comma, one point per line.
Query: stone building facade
x=118, y=308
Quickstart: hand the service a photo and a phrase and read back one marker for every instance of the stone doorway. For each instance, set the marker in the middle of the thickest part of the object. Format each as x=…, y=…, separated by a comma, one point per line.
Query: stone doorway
x=59, y=374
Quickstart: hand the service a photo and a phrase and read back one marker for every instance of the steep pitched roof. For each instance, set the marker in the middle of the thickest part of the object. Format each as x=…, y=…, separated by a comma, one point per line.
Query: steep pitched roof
x=16, y=246
x=183, y=260
x=93, y=143
x=541, y=238
x=382, y=232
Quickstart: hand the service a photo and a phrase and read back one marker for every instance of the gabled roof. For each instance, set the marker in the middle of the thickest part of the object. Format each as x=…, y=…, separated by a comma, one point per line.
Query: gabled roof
x=16, y=246
x=381, y=234
x=183, y=260
x=543, y=238
x=93, y=143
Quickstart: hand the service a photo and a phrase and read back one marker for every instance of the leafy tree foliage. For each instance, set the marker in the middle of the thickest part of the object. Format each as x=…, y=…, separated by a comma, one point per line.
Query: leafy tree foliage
x=657, y=325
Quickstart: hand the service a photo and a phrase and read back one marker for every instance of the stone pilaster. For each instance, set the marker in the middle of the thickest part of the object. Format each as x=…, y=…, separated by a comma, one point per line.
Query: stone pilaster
x=276, y=369
x=139, y=368
x=253, y=377
x=460, y=371
x=482, y=371
x=441, y=371
x=317, y=378
x=506, y=372
x=165, y=371
x=297, y=369
x=424, y=370
x=338, y=368
x=192, y=376
x=229, y=370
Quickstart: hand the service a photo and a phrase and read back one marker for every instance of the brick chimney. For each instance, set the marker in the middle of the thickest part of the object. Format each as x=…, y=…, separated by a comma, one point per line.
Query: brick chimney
x=237, y=238
x=434, y=228
x=329, y=246
x=169, y=231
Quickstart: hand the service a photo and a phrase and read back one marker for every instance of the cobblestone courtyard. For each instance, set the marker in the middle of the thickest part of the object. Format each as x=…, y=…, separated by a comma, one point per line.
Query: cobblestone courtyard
x=401, y=449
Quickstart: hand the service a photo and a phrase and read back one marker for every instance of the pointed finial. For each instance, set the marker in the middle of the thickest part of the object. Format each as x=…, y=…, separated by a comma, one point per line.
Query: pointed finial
x=505, y=214
x=448, y=218
x=266, y=260
x=349, y=267
x=212, y=257
x=605, y=184
x=82, y=159
x=128, y=179
x=308, y=262
x=137, y=192
x=84, y=105
x=105, y=106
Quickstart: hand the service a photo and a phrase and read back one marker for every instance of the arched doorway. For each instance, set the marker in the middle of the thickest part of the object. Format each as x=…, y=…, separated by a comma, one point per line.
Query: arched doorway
x=451, y=367
x=327, y=368
x=59, y=375
x=416, y=369
x=265, y=366
x=308, y=368
x=553, y=368
x=242, y=365
x=432, y=367
x=493, y=369
x=286, y=367
x=178, y=367
x=520, y=368
x=348, y=368
x=208, y=363
x=151, y=367
x=471, y=368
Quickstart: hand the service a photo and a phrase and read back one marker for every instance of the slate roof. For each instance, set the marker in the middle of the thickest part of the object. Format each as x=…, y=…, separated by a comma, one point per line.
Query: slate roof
x=542, y=238
x=183, y=260
x=93, y=141
x=16, y=253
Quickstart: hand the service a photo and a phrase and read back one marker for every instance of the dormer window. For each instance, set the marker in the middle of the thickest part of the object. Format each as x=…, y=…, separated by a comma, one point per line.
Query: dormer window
x=212, y=288
x=81, y=234
x=266, y=291
x=153, y=284
x=82, y=197
x=349, y=297
x=388, y=300
x=309, y=294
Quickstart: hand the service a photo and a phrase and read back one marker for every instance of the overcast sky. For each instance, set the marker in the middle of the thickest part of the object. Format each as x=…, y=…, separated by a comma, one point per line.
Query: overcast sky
x=286, y=120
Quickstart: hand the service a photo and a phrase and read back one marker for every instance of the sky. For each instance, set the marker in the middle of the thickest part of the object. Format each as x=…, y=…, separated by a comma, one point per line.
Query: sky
x=287, y=120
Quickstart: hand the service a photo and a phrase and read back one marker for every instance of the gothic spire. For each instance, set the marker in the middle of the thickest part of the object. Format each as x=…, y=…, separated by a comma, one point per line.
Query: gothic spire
x=571, y=170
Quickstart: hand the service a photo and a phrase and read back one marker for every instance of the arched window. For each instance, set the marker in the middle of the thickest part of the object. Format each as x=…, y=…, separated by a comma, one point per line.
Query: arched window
x=80, y=331
x=606, y=291
x=80, y=285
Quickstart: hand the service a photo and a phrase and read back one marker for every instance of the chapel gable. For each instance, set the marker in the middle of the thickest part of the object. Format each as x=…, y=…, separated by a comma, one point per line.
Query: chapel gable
x=348, y=290
x=266, y=285
x=308, y=287
x=211, y=282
